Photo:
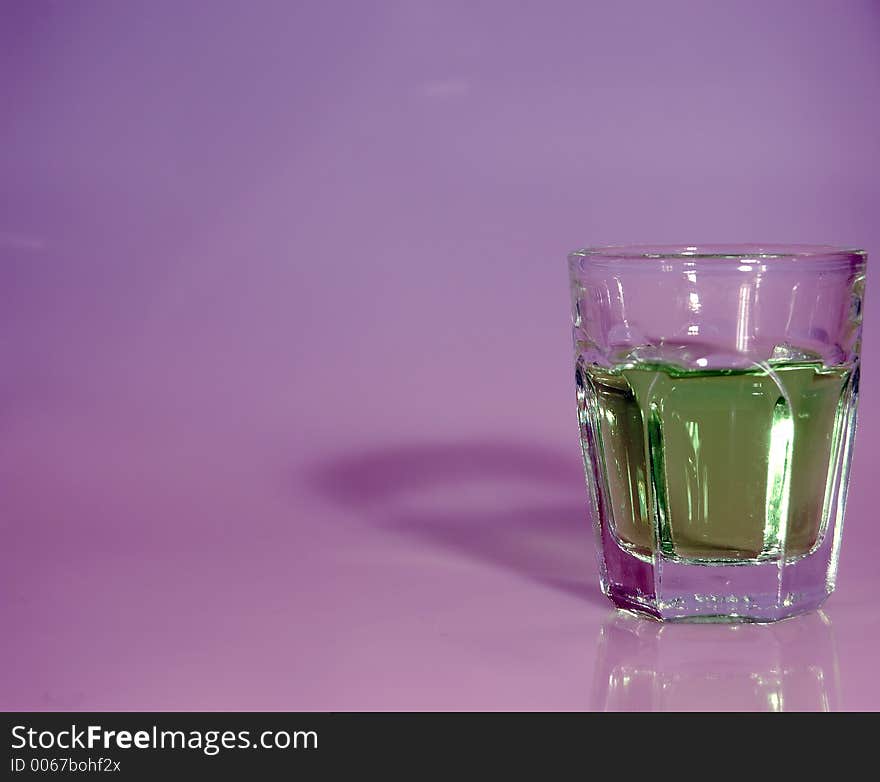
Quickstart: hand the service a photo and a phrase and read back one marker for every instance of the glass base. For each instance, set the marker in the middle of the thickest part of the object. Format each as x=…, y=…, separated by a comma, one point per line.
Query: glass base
x=756, y=592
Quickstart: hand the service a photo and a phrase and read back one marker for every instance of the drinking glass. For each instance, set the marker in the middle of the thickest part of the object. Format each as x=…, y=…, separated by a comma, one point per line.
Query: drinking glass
x=717, y=389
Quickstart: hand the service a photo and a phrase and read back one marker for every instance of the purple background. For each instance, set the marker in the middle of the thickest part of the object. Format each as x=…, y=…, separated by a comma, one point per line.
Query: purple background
x=287, y=411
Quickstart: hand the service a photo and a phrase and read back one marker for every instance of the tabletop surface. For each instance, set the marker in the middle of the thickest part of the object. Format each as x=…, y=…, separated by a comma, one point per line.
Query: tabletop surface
x=287, y=405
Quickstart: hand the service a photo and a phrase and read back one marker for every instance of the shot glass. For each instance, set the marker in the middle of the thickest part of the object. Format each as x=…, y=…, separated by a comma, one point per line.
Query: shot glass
x=717, y=389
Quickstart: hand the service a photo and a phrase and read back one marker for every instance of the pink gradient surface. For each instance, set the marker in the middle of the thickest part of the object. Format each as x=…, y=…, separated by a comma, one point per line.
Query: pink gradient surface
x=287, y=407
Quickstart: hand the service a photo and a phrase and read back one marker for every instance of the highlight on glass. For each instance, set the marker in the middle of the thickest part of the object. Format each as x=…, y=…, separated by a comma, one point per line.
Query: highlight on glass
x=717, y=389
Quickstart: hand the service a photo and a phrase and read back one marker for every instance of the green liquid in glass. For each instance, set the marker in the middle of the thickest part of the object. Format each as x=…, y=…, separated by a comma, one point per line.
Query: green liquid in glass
x=718, y=465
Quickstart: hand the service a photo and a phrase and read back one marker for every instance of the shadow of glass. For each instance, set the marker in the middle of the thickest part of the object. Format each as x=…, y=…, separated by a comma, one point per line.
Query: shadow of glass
x=376, y=476
x=642, y=665
x=511, y=505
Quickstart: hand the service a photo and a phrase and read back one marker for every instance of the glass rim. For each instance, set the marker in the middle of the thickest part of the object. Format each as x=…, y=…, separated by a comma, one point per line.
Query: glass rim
x=741, y=253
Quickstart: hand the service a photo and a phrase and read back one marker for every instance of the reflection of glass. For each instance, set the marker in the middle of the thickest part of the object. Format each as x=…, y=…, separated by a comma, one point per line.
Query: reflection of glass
x=717, y=391
x=648, y=666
